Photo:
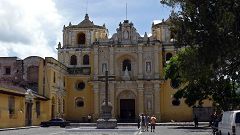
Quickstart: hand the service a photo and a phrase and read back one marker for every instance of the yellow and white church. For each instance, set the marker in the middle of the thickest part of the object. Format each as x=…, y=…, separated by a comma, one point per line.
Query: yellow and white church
x=36, y=89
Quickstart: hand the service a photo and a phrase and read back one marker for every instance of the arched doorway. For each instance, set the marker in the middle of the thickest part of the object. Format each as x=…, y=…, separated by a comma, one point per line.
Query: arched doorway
x=127, y=107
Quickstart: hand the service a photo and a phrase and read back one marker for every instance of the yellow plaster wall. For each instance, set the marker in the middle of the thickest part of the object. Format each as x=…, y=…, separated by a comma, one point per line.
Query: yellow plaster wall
x=170, y=112
x=18, y=120
x=73, y=112
x=44, y=112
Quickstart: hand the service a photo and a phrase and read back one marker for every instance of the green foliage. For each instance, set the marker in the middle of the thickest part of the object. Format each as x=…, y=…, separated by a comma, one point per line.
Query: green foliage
x=209, y=64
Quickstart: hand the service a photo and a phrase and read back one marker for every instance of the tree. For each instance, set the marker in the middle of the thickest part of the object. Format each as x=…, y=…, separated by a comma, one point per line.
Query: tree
x=209, y=64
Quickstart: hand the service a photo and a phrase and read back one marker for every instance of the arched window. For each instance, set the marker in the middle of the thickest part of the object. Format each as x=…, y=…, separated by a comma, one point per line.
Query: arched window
x=81, y=38
x=79, y=102
x=86, y=60
x=126, y=63
x=168, y=56
x=73, y=60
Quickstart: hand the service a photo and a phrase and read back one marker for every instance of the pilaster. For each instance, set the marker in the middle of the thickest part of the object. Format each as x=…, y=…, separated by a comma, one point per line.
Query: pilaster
x=111, y=61
x=140, y=62
x=96, y=100
x=157, y=100
x=112, y=97
x=161, y=63
x=156, y=62
x=140, y=97
x=95, y=61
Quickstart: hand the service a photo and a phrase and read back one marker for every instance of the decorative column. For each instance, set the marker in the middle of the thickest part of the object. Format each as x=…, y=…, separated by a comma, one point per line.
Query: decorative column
x=156, y=62
x=157, y=100
x=112, y=97
x=95, y=61
x=29, y=99
x=96, y=100
x=111, y=60
x=161, y=62
x=140, y=97
x=140, y=62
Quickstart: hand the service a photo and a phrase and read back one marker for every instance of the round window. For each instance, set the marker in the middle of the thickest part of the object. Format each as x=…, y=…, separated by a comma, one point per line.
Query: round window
x=175, y=83
x=176, y=102
x=79, y=102
x=80, y=85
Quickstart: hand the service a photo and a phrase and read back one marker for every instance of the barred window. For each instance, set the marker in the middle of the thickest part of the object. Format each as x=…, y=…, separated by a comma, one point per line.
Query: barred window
x=38, y=108
x=11, y=105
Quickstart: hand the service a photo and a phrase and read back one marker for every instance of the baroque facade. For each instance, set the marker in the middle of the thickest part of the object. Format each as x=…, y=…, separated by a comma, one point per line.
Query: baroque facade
x=73, y=86
x=135, y=65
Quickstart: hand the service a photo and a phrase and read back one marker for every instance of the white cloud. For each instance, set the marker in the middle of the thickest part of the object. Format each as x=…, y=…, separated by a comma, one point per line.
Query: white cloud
x=29, y=27
x=157, y=21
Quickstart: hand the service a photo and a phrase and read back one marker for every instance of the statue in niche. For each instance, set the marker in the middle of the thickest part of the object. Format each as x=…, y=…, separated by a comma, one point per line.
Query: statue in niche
x=126, y=76
x=148, y=67
x=149, y=105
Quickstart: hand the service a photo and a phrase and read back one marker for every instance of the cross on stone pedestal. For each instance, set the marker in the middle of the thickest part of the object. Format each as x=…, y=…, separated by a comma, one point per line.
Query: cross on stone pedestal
x=106, y=121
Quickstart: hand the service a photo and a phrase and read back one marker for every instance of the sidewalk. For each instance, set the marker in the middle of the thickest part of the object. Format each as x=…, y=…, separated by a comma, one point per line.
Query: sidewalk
x=135, y=124
x=16, y=128
x=76, y=125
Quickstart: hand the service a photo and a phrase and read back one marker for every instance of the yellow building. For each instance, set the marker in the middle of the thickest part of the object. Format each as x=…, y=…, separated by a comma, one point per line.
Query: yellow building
x=73, y=86
x=21, y=92
x=135, y=66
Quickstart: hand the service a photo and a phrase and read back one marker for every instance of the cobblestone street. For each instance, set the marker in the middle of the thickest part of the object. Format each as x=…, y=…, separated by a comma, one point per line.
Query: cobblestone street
x=160, y=130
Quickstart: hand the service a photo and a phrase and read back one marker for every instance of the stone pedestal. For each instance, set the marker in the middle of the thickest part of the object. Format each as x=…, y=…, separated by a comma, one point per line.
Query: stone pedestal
x=106, y=123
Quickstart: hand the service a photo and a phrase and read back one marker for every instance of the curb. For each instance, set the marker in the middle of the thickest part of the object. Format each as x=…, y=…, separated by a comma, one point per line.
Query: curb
x=135, y=124
x=28, y=127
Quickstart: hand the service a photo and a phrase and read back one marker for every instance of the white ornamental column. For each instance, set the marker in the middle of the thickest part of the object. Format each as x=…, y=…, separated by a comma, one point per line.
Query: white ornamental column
x=140, y=62
x=95, y=63
x=157, y=100
x=112, y=97
x=156, y=62
x=140, y=98
x=111, y=60
x=96, y=100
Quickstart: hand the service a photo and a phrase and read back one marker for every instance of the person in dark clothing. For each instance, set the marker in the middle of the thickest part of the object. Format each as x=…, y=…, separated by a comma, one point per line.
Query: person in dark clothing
x=195, y=120
x=138, y=123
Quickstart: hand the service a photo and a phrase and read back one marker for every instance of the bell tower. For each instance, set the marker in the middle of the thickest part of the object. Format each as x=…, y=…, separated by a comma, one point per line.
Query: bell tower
x=78, y=40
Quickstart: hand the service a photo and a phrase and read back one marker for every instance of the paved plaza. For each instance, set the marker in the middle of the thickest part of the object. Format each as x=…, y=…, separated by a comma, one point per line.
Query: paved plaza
x=129, y=130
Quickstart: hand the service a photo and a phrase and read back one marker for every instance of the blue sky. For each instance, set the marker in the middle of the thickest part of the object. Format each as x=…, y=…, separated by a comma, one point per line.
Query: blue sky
x=31, y=27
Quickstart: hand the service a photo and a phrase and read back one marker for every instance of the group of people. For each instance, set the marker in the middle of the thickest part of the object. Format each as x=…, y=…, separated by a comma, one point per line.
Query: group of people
x=144, y=120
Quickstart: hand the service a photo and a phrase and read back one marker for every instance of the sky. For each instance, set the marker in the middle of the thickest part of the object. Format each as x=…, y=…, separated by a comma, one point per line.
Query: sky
x=34, y=27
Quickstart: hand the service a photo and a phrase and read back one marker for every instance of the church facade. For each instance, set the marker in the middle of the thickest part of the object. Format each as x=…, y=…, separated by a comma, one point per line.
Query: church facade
x=135, y=67
x=73, y=86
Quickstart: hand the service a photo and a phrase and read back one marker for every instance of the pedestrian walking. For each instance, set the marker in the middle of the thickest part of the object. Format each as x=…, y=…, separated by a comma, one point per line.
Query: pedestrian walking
x=142, y=124
x=195, y=120
x=146, y=120
x=138, y=122
x=153, y=123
